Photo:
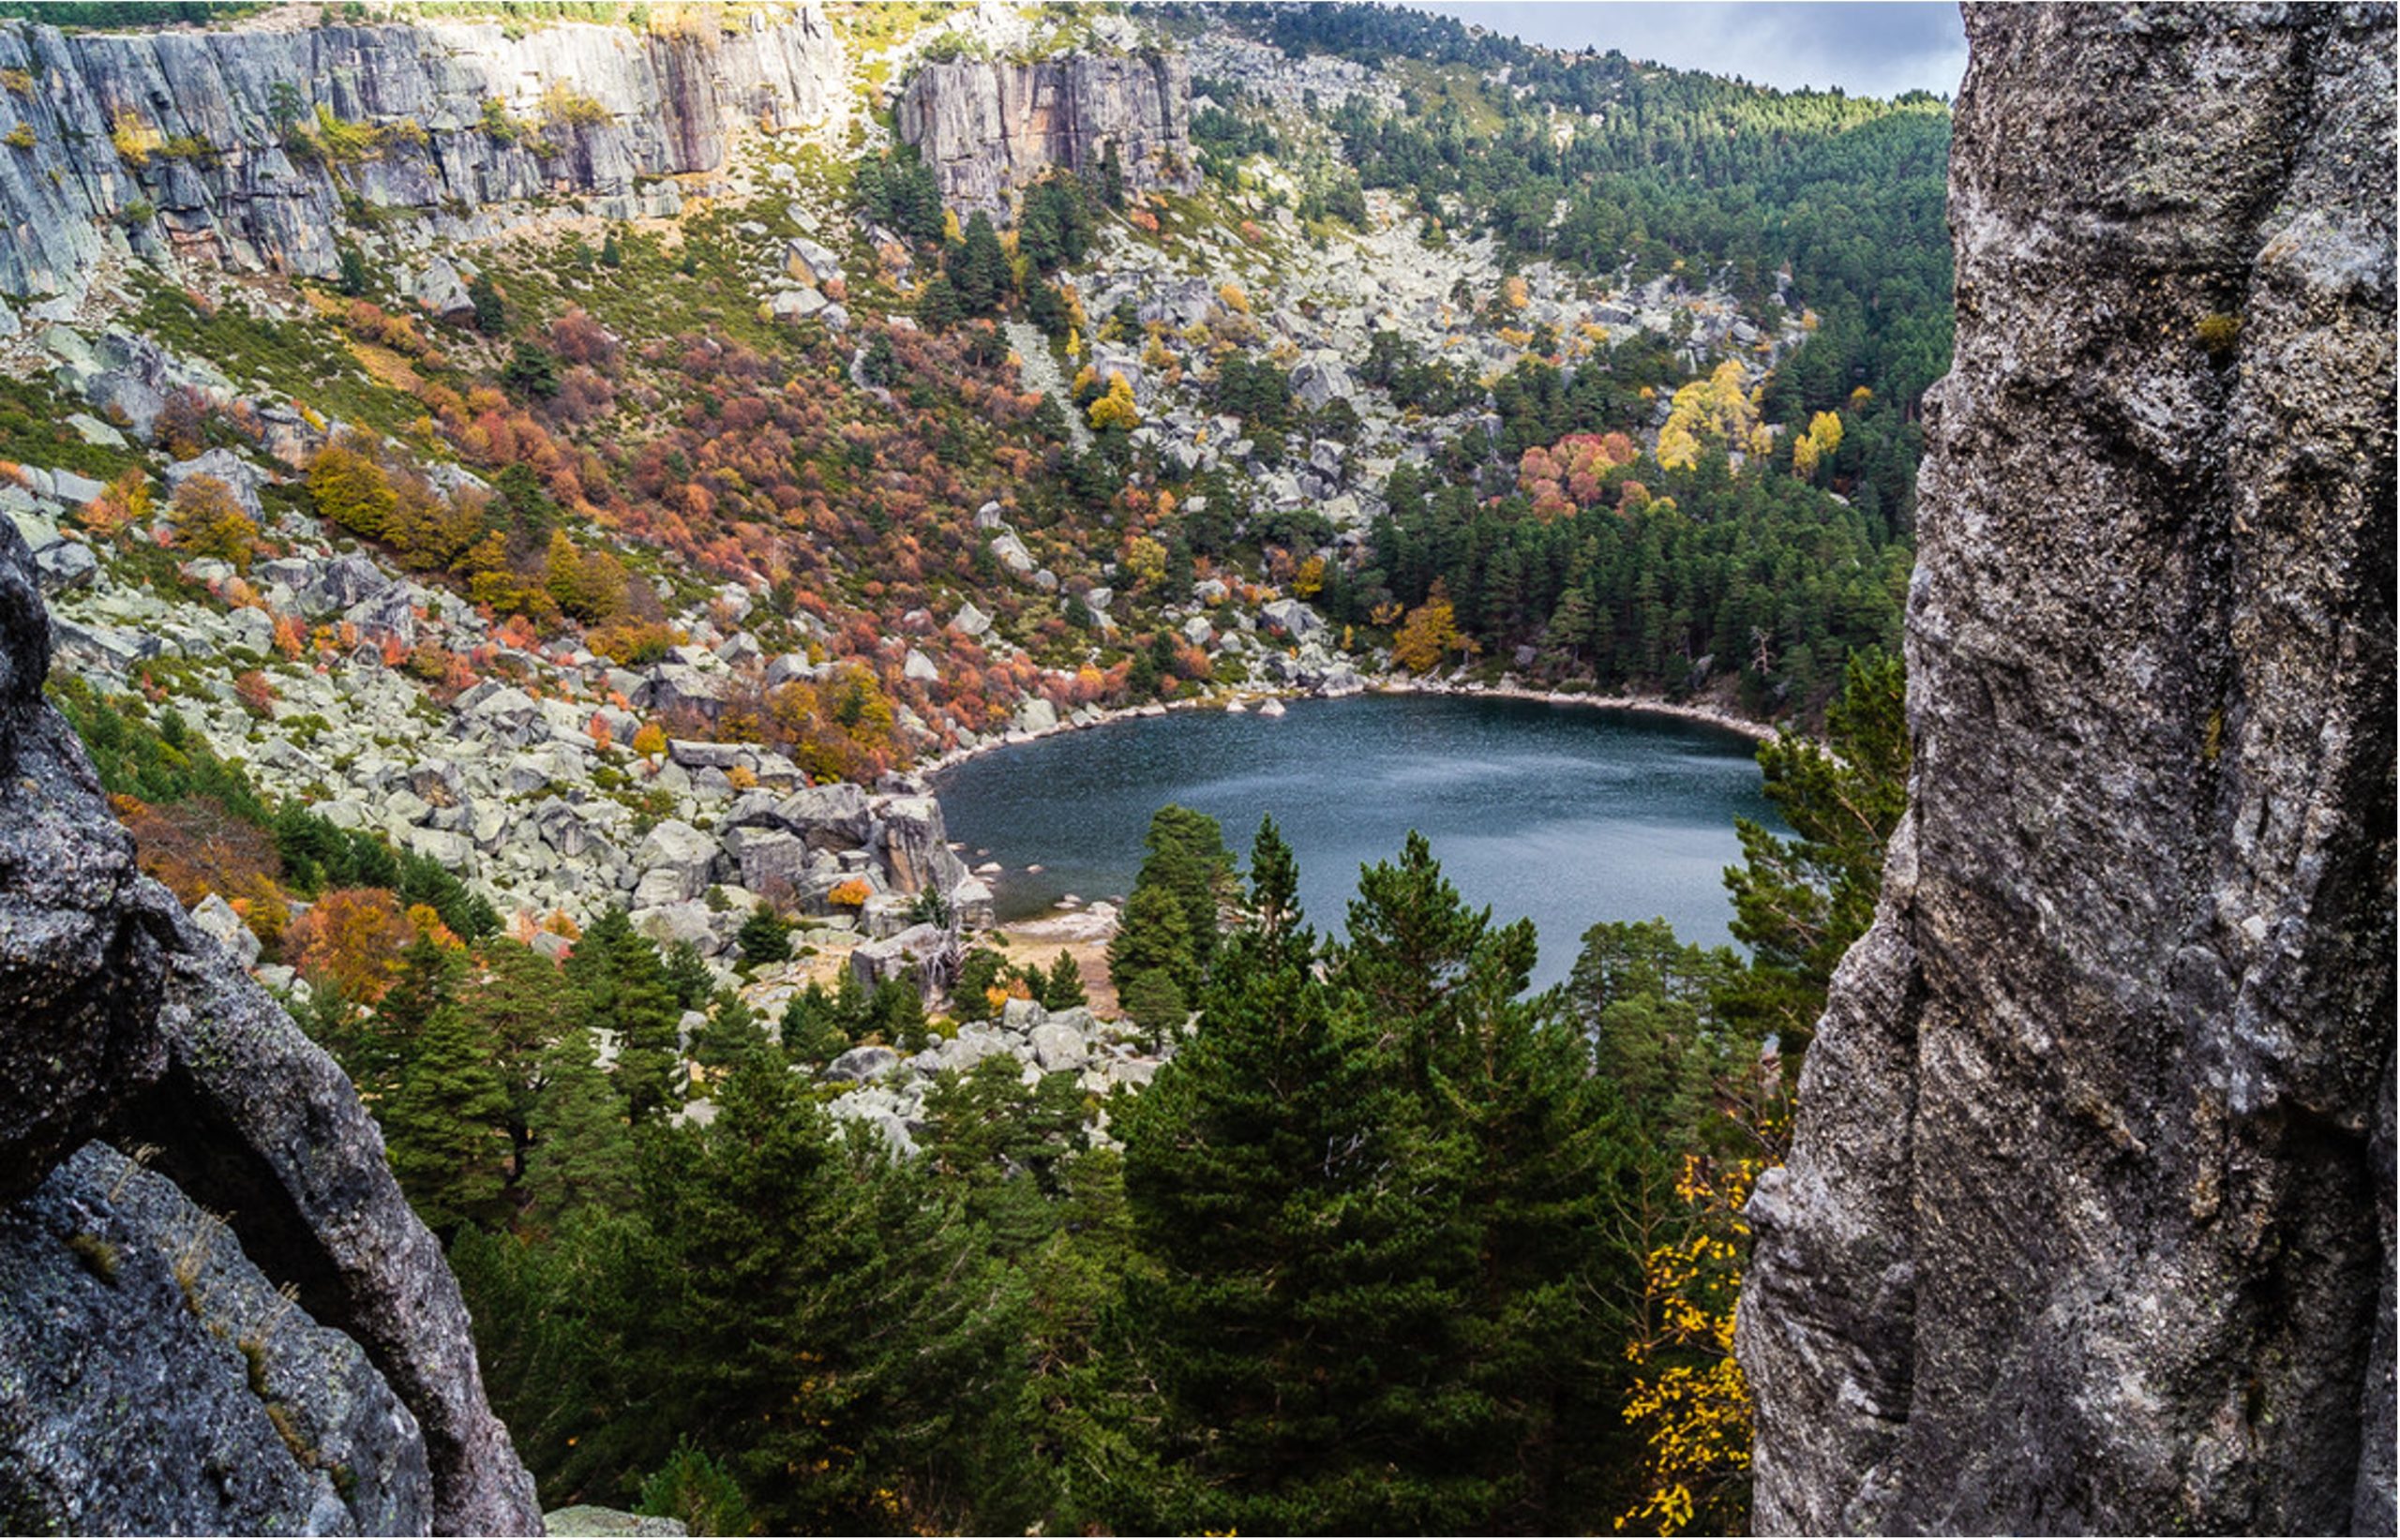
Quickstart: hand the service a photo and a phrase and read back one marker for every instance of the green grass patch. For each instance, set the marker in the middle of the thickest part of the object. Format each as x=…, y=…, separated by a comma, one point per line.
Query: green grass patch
x=34, y=431
x=305, y=361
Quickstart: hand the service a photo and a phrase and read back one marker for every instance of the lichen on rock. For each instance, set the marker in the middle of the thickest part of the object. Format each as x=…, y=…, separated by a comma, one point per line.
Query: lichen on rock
x=2088, y=1221
x=125, y=1020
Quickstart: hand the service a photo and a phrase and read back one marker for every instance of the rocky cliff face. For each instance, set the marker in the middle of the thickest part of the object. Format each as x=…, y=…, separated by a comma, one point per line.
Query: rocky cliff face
x=438, y=123
x=988, y=128
x=2088, y=1222
x=124, y=1023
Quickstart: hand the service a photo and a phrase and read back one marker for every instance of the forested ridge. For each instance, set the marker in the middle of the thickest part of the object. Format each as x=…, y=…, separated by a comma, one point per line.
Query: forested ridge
x=1816, y=200
x=1391, y=1244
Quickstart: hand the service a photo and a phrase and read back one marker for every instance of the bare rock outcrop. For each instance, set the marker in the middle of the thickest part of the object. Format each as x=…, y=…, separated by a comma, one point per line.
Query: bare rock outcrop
x=243, y=144
x=163, y=1385
x=989, y=128
x=2088, y=1221
x=120, y=1020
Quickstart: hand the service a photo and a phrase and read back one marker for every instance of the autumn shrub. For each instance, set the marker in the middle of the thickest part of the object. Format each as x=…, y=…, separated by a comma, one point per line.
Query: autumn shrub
x=208, y=522
x=1427, y=635
x=351, y=937
x=840, y=728
x=256, y=693
x=125, y=502
x=197, y=846
x=350, y=488
x=633, y=644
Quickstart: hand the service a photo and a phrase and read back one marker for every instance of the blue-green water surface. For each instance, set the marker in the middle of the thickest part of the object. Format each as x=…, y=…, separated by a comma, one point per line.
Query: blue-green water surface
x=1568, y=815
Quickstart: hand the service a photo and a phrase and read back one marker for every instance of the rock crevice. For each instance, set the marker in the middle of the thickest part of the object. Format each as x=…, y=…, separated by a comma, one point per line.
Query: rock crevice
x=128, y=1023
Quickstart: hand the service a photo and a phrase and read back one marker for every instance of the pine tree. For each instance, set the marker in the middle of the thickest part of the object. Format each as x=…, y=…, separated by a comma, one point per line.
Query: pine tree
x=491, y=311
x=1152, y=936
x=764, y=937
x=623, y=989
x=1376, y=1199
x=531, y=370
x=515, y=1000
x=1048, y=311
x=425, y=984
x=583, y=1153
x=1509, y=1117
x=1799, y=904
x=1250, y=1175
x=939, y=305
x=897, y=1015
x=977, y=267
x=697, y=1492
x=1156, y=1004
x=812, y=1027
x=733, y=1032
x=1004, y=1144
x=865, y=1279
x=443, y=1127
x=686, y=973
x=1063, y=989
x=1186, y=855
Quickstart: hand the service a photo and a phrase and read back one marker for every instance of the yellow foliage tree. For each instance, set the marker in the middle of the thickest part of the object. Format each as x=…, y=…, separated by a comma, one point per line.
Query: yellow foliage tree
x=1115, y=408
x=588, y=585
x=354, y=936
x=1145, y=558
x=1688, y=1397
x=351, y=488
x=1720, y=409
x=1822, y=438
x=126, y=501
x=208, y=522
x=1310, y=579
x=1427, y=635
x=840, y=729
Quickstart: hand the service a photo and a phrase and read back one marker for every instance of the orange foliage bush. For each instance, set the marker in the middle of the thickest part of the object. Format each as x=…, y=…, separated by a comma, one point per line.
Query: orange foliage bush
x=196, y=847
x=352, y=938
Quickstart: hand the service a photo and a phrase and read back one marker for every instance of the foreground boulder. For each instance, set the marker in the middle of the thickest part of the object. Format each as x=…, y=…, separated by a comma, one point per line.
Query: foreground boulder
x=2088, y=1219
x=125, y=1022
x=212, y=1408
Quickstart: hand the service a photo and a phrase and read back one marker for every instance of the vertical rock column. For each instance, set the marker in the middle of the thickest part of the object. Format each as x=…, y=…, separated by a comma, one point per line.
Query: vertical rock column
x=2088, y=1220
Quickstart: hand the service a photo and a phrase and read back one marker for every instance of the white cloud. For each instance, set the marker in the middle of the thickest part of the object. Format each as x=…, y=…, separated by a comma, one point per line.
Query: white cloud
x=1867, y=49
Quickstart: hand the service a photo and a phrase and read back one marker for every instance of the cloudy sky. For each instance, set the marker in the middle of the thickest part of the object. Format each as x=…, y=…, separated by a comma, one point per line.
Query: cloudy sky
x=1867, y=49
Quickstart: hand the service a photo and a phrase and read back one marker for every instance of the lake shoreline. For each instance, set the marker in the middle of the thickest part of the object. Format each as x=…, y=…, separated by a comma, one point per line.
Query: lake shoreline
x=1249, y=700
x=1073, y=781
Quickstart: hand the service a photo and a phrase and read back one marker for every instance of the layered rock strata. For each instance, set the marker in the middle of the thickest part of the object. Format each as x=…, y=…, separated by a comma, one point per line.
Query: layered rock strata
x=988, y=127
x=2088, y=1221
x=248, y=145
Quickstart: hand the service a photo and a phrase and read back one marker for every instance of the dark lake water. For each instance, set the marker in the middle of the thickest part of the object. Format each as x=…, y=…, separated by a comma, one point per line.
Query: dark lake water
x=1568, y=815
